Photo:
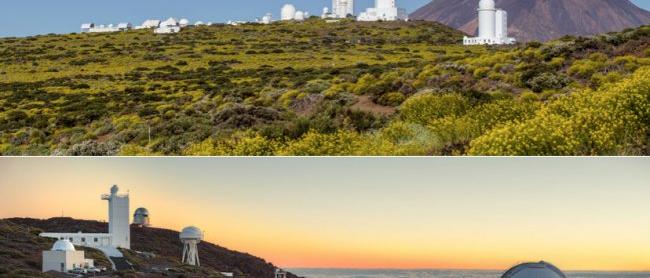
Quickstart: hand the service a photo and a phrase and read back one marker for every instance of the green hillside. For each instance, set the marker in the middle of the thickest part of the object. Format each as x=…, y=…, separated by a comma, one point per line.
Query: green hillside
x=317, y=88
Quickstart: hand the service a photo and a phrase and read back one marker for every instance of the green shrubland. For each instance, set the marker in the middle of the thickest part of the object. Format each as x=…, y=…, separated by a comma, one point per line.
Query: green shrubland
x=317, y=88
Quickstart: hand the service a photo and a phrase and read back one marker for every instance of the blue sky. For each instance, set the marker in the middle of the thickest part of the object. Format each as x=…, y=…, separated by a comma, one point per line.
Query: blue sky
x=30, y=17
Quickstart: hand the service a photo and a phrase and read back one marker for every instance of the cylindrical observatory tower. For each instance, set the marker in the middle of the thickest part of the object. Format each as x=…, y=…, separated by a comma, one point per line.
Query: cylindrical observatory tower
x=486, y=19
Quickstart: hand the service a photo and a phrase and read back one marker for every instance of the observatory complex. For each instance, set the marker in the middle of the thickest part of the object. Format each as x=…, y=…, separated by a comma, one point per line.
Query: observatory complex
x=119, y=233
x=492, y=26
x=534, y=270
x=384, y=10
x=289, y=12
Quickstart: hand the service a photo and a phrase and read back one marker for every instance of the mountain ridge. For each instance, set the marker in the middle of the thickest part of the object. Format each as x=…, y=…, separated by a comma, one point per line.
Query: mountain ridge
x=541, y=20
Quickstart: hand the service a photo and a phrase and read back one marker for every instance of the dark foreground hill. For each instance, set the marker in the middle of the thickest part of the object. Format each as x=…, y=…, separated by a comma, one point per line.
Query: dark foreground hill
x=542, y=20
x=20, y=250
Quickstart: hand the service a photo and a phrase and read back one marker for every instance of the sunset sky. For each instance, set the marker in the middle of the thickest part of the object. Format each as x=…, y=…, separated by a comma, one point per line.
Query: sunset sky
x=578, y=213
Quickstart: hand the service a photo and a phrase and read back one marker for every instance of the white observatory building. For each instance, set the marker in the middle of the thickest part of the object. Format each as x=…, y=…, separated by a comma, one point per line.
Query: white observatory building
x=190, y=237
x=384, y=10
x=119, y=233
x=279, y=273
x=141, y=217
x=288, y=12
x=63, y=258
x=534, y=270
x=342, y=8
x=492, y=26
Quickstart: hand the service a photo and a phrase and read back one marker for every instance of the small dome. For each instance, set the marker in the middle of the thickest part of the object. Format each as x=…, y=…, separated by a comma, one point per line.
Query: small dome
x=114, y=189
x=184, y=21
x=141, y=211
x=300, y=15
x=191, y=232
x=63, y=245
x=534, y=270
x=486, y=5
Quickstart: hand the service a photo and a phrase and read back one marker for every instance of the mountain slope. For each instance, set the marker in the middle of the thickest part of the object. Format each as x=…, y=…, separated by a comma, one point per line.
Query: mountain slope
x=164, y=244
x=542, y=19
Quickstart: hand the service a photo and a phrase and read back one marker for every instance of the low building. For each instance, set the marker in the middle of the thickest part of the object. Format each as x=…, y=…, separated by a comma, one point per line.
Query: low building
x=384, y=10
x=149, y=24
x=169, y=26
x=64, y=257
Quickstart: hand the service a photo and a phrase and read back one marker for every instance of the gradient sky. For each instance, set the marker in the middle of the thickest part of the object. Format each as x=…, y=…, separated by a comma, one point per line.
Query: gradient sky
x=579, y=213
x=31, y=17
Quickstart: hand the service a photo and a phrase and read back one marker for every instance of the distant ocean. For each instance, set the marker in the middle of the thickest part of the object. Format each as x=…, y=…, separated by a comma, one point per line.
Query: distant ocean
x=380, y=273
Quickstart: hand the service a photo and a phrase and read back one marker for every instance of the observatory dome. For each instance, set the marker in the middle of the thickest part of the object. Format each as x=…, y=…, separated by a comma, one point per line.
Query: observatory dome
x=142, y=211
x=63, y=245
x=184, y=22
x=486, y=5
x=191, y=232
x=534, y=270
x=300, y=15
x=288, y=12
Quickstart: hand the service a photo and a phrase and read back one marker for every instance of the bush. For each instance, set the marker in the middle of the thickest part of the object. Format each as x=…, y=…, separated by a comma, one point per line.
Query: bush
x=611, y=121
x=547, y=81
x=426, y=108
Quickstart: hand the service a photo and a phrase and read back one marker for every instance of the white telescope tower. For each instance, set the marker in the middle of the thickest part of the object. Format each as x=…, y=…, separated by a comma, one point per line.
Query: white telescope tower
x=190, y=237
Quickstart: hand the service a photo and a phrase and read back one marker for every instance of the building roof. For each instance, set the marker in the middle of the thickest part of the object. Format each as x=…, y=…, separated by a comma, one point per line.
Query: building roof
x=149, y=23
x=63, y=245
x=191, y=232
x=534, y=270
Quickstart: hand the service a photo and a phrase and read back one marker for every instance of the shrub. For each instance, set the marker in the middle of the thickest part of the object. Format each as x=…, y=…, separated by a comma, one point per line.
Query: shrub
x=613, y=120
x=425, y=108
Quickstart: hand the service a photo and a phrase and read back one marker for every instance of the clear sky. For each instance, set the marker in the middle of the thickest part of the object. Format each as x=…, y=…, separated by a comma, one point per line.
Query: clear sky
x=30, y=17
x=579, y=213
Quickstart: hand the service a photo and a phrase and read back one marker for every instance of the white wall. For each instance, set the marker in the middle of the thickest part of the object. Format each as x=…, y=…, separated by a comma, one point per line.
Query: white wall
x=52, y=260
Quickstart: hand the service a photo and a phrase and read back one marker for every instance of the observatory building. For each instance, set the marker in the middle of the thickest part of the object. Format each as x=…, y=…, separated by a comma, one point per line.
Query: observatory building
x=141, y=217
x=168, y=26
x=289, y=12
x=384, y=10
x=342, y=8
x=492, y=26
x=92, y=28
x=63, y=258
x=534, y=270
x=190, y=237
x=119, y=233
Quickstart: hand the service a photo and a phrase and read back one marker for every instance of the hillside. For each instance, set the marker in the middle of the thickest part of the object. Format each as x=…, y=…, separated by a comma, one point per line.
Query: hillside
x=19, y=235
x=317, y=88
x=541, y=20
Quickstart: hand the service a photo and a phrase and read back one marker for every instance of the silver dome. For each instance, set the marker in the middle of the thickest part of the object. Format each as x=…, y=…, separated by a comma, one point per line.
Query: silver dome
x=534, y=270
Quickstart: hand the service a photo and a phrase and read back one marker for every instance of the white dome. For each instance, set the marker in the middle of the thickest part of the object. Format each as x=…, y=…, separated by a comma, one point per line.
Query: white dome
x=534, y=270
x=486, y=5
x=184, y=22
x=199, y=23
x=288, y=12
x=63, y=245
x=191, y=232
x=300, y=15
